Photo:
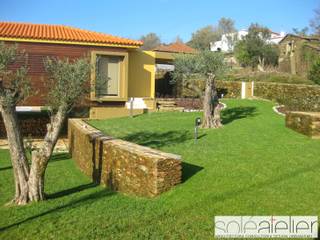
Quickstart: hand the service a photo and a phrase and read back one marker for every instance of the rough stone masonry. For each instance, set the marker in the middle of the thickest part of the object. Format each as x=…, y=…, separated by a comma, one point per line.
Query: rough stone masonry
x=123, y=166
x=307, y=123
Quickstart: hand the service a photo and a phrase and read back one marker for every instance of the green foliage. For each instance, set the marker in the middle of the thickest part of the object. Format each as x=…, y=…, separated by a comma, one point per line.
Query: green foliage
x=201, y=38
x=217, y=172
x=314, y=73
x=270, y=54
x=8, y=55
x=68, y=81
x=254, y=48
x=14, y=84
x=189, y=66
x=308, y=54
x=150, y=41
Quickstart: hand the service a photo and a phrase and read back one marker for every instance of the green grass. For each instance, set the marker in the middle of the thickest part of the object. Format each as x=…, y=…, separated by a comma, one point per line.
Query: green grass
x=252, y=166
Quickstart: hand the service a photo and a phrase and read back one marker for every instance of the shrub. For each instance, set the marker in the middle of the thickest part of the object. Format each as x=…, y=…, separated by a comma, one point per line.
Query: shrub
x=314, y=73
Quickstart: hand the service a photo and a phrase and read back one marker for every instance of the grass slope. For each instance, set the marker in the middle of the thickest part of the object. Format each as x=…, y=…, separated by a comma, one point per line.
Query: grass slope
x=252, y=166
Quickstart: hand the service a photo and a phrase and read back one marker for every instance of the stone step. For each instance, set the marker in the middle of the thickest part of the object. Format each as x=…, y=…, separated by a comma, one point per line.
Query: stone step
x=175, y=109
x=167, y=106
x=166, y=102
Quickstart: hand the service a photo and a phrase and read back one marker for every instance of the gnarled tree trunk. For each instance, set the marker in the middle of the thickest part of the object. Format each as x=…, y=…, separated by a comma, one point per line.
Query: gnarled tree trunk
x=211, y=105
x=40, y=157
x=29, y=182
x=18, y=157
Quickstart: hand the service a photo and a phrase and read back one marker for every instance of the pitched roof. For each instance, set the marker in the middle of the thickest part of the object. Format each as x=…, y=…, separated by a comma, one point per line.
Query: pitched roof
x=44, y=32
x=312, y=38
x=176, y=47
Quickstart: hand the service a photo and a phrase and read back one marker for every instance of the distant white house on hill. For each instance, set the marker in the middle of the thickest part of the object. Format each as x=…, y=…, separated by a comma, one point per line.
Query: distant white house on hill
x=228, y=41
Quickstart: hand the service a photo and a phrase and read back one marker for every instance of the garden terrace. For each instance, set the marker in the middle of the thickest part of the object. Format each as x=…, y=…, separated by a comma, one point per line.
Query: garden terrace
x=254, y=165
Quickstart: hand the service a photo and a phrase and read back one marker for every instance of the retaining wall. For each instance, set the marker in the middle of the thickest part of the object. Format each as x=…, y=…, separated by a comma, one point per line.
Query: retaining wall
x=123, y=166
x=307, y=123
x=296, y=97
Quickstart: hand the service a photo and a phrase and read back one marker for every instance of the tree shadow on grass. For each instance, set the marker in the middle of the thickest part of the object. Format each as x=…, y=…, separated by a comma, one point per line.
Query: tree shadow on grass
x=267, y=183
x=188, y=170
x=235, y=113
x=158, y=140
x=71, y=190
x=60, y=157
x=88, y=199
x=5, y=168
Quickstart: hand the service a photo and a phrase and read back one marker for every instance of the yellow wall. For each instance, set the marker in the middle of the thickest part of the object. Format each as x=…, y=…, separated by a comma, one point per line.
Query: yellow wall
x=141, y=80
x=164, y=55
x=112, y=112
x=141, y=83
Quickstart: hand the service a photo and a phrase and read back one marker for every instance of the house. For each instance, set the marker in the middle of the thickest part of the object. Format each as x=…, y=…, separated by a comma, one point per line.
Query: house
x=164, y=55
x=131, y=72
x=228, y=40
x=297, y=53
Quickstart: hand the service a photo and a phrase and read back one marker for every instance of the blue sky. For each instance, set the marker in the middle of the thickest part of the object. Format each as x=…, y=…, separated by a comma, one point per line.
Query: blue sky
x=168, y=18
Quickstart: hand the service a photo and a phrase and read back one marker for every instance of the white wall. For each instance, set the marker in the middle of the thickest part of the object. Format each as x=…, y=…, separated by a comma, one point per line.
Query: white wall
x=227, y=42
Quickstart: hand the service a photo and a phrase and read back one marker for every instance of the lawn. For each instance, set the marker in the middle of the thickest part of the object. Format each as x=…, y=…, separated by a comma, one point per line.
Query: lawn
x=251, y=166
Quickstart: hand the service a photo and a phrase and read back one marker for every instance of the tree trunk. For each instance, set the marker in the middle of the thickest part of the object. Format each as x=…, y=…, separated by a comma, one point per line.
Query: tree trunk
x=40, y=157
x=29, y=183
x=18, y=156
x=211, y=105
x=261, y=64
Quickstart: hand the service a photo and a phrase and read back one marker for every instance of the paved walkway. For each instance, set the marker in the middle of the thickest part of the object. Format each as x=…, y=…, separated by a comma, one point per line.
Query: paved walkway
x=62, y=144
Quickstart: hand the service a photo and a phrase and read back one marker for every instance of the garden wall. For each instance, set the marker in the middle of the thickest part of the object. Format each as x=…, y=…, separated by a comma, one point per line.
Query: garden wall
x=296, y=97
x=229, y=89
x=31, y=124
x=304, y=122
x=123, y=166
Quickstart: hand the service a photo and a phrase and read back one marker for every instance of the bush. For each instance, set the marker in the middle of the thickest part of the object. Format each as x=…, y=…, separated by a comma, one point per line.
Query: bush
x=314, y=73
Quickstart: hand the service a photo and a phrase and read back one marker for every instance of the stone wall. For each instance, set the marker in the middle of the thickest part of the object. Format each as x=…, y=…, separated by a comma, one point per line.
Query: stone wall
x=31, y=124
x=229, y=89
x=307, y=123
x=296, y=97
x=123, y=166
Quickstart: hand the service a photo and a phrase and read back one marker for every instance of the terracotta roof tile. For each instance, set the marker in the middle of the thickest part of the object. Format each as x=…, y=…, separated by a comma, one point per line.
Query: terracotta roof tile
x=60, y=33
x=176, y=47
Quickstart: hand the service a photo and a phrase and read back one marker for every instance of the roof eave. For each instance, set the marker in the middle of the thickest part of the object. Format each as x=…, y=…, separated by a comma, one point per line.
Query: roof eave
x=69, y=42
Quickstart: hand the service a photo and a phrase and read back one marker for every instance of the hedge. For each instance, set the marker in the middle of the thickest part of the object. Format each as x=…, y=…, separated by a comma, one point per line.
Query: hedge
x=295, y=97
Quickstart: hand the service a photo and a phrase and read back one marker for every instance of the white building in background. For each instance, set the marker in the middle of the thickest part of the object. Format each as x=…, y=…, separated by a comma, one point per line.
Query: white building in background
x=228, y=41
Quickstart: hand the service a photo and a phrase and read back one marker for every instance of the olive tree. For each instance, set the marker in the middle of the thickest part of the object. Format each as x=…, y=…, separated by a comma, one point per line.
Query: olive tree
x=66, y=84
x=205, y=66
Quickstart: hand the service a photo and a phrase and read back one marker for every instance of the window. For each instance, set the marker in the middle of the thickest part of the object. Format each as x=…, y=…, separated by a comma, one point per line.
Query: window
x=108, y=75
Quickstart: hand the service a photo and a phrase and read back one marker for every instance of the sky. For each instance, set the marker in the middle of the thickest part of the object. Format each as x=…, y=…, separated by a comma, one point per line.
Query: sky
x=167, y=18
